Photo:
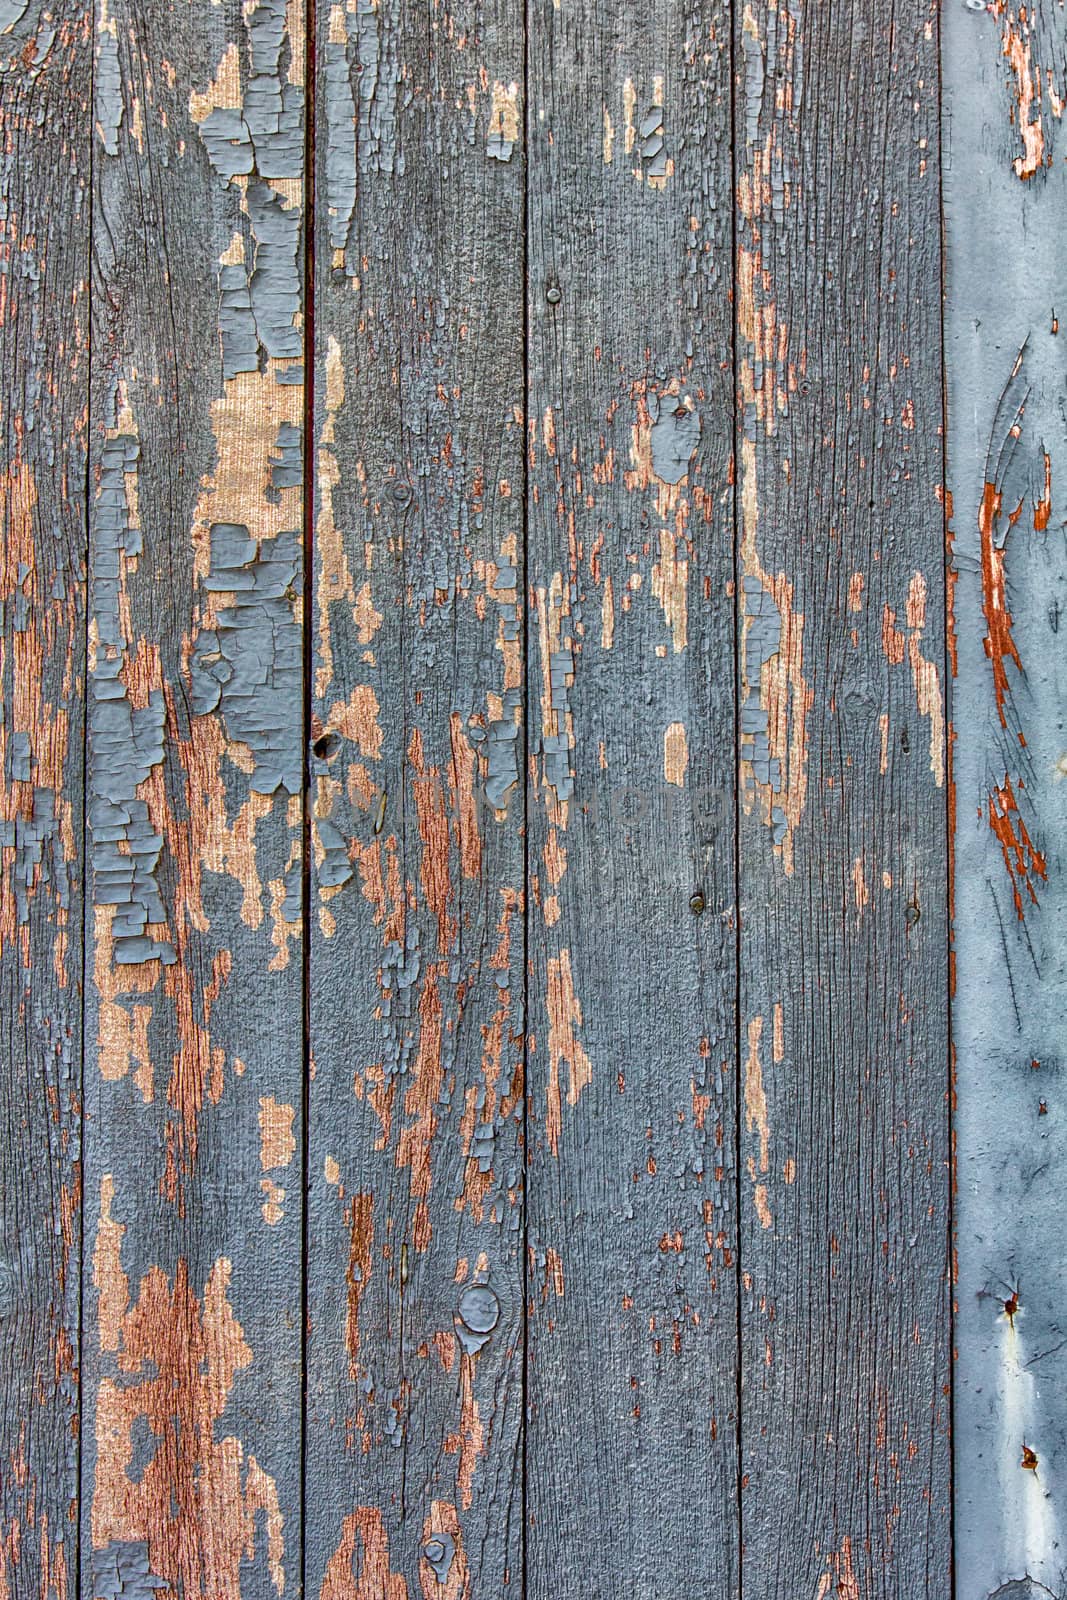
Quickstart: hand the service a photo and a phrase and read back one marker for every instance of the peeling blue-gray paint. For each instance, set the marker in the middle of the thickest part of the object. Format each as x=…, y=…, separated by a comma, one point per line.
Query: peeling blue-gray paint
x=376, y=29
x=273, y=107
x=36, y=840
x=753, y=79
x=38, y=854
x=340, y=108
x=11, y=11
x=251, y=665
x=287, y=467
x=556, y=747
x=125, y=744
x=503, y=751
x=674, y=437
x=122, y=1571
x=228, y=142
x=652, y=144
x=762, y=642
x=262, y=141
x=335, y=868
x=266, y=135
x=107, y=88
x=275, y=284
x=237, y=324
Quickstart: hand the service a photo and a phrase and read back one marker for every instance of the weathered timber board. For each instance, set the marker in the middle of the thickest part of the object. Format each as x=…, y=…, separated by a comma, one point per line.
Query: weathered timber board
x=1006, y=198
x=44, y=400
x=415, y=1274
x=840, y=571
x=631, y=1455
x=194, y=1015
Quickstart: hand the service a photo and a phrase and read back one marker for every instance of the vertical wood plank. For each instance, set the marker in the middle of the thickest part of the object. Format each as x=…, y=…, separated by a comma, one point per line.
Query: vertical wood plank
x=1006, y=290
x=631, y=1456
x=194, y=1004
x=416, y=980
x=845, y=1362
x=45, y=89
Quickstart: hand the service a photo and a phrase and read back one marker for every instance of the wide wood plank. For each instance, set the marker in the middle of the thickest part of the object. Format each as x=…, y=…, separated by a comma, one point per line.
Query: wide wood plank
x=45, y=88
x=844, y=1137
x=631, y=1455
x=416, y=978
x=1005, y=196
x=194, y=1001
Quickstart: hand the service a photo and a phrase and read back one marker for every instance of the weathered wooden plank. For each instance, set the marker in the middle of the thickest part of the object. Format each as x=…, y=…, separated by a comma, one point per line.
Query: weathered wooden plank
x=1007, y=469
x=631, y=1455
x=45, y=86
x=194, y=1003
x=844, y=1059
x=416, y=974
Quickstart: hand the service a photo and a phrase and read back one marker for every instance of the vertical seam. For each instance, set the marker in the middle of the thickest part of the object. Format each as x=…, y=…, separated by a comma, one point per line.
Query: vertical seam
x=738, y=422
x=525, y=787
x=308, y=511
x=950, y=841
x=85, y=907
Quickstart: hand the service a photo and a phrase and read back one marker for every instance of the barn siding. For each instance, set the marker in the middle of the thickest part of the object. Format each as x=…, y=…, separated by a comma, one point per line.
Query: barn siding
x=1007, y=460
x=491, y=724
x=192, y=1277
x=843, y=832
x=632, y=1250
x=44, y=395
x=415, y=1288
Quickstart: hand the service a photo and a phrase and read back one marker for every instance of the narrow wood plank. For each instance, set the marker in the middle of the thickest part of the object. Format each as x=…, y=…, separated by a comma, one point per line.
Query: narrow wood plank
x=194, y=1004
x=415, y=1164
x=45, y=90
x=844, y=1055
x=632, y=1465
x=1005, y=196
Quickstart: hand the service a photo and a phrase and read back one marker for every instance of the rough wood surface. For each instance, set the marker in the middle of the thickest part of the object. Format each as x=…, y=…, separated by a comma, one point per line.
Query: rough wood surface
x=415, y=1291
x=194, y=1019
x=840, y=569
x=44, y=393
x=1005, y=73
x=614, y=757
x=631, y=1452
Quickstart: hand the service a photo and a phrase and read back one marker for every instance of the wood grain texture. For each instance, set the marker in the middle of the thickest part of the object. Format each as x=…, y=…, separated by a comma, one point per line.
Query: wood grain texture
x=194, y=1003
x=631, y=1454
x=844, y=1134
x=45, y=78
x=416, y=976
x=582, y=869
x=1007, y=469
